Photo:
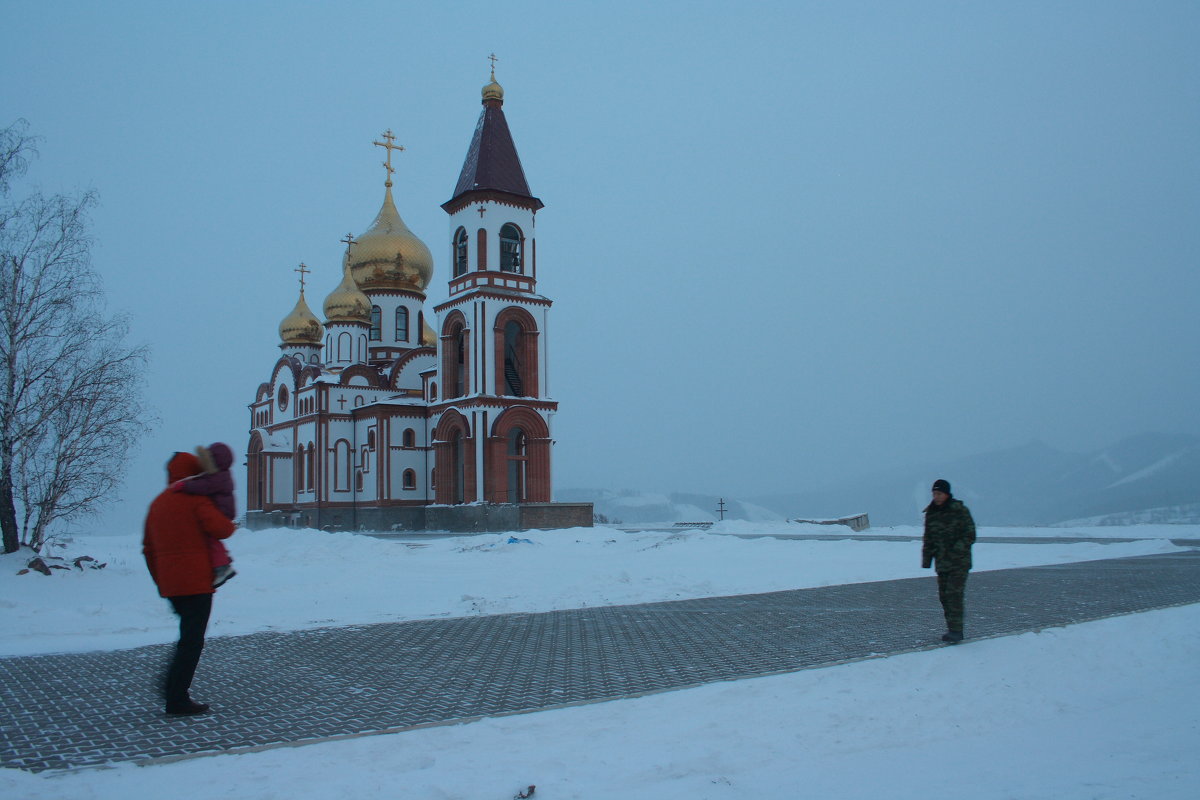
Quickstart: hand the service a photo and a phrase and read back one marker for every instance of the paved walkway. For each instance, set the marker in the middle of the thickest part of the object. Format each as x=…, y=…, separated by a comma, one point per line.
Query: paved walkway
x=86, y=709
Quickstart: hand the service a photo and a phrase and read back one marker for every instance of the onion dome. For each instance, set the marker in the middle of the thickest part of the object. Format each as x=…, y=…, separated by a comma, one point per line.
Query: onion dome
x=428, y=337
x=347, y=303
x=493, y=91
x=389, y=255
x=301, y=326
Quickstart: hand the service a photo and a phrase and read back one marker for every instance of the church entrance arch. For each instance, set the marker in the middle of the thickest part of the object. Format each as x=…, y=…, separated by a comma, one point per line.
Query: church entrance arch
x=518, y=458
x=454, y=469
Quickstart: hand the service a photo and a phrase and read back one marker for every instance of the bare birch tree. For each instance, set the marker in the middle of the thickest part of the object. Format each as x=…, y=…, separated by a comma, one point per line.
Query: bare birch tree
x=70, y=389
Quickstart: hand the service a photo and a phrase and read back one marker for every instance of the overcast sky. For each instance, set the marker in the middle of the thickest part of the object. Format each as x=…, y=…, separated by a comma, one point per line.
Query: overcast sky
x=786, y=242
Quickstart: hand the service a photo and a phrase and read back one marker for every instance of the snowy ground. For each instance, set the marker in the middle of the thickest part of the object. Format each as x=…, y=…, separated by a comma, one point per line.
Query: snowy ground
x=1099, y=710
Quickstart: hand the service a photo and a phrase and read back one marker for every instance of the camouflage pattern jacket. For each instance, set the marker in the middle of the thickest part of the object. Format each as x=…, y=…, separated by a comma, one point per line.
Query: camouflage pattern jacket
x=949, y=534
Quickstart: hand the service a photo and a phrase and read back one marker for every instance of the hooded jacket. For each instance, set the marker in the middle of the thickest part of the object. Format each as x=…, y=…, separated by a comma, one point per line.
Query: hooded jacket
x=175, y=540
x=217, y=481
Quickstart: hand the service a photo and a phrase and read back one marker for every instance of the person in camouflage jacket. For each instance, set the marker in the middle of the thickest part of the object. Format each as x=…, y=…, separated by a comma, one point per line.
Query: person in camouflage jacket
x=949, y=534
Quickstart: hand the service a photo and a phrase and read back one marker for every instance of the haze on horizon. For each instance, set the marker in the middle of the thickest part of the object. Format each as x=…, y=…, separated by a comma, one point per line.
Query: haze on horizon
x=786, y=244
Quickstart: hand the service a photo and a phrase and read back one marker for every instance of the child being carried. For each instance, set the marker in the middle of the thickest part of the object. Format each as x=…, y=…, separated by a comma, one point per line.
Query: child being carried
x=217, y=483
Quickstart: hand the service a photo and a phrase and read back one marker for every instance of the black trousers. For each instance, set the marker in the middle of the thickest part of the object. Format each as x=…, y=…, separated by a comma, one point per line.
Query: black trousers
x=193, y=611
x=952, y=588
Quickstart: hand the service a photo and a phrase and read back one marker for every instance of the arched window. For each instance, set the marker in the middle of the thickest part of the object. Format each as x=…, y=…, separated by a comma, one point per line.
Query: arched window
x=358, y=482
x=410, y=479
x=517, y=466
x=299, y=462
x=460, y=252
x=371, y=439
x=343, y=466
x=433, y=391
x=376, y=323
x=409, y=438
x=401, y=324
x=481, y=248
x=312, y=467
x=513, y=384
x=345, y=347
x=510, y=248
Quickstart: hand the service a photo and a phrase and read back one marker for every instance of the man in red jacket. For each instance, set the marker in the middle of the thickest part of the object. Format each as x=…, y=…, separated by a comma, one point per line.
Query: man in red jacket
x=176, y=549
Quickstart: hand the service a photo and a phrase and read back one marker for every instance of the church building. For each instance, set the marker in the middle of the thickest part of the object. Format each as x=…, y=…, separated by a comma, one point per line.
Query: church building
x=388, y=417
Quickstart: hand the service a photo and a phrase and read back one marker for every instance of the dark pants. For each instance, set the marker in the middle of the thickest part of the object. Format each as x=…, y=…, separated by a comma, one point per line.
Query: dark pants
x=193, y=611
x=952, y=586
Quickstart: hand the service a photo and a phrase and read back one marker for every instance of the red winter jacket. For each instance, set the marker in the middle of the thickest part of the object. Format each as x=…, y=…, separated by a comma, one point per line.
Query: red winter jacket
x=175, y=542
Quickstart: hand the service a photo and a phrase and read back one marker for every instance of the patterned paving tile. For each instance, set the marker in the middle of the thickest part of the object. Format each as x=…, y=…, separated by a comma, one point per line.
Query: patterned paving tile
x=87, y=709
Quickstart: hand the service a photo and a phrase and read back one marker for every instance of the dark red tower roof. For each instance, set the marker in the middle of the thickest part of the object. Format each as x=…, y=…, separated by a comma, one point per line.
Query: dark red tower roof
x=492, y=166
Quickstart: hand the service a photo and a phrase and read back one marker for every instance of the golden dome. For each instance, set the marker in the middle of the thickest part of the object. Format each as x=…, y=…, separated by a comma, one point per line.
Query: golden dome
x=389, y=255
x=301, y=326
x=493, y=91
x=428, y=337
x=347, y=303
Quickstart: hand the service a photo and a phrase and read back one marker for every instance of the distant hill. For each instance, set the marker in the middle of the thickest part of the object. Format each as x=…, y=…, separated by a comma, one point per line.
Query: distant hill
x=1150, y=477
x=1034, y=484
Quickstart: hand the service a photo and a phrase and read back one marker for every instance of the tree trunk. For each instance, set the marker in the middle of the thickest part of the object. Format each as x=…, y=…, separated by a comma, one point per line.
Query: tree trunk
x=8, y=514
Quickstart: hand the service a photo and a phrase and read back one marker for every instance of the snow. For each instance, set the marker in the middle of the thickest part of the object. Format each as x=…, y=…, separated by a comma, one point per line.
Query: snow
x=1062, y=713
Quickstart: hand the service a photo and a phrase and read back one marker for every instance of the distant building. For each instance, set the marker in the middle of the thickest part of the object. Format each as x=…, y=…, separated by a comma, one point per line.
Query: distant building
x=383, y=417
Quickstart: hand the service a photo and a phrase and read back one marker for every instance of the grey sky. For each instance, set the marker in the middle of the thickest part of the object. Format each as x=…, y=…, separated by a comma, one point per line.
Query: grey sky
x=787, y=242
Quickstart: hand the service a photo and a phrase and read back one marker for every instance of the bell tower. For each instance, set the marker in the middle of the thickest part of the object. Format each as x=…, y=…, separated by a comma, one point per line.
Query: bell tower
x=493, y=436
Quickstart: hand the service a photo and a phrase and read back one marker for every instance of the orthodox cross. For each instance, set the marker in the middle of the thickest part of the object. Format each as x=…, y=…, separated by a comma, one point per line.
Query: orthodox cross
x=492, y=58
x=303, y=270
x=350, y=242
x=389, y=144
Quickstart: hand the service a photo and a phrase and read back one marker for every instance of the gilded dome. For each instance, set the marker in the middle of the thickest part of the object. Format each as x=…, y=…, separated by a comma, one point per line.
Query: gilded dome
x=493, y=91
x=347, y=303
x=428, y=337
x=301, y=326
x=389, y=255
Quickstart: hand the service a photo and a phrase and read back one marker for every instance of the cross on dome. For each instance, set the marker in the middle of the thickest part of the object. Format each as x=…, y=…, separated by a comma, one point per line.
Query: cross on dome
x=303, y=270
x=389, y=144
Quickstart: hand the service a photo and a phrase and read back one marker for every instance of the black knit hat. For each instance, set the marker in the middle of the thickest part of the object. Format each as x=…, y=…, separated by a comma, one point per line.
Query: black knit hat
x=941, y=485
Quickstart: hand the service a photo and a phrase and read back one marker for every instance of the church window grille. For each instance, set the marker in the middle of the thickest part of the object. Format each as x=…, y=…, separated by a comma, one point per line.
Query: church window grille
x=376, y=323
x=410, y=479
x=460, y=252
x=401, y=324
x=510, y=249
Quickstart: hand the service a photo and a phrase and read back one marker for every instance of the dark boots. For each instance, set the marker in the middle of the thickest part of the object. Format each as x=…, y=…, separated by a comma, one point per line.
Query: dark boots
x=953, y=637
x=187, y=707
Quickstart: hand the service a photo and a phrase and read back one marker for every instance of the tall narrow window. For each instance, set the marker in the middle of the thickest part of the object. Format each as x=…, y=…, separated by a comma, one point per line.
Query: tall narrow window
x=517, y=465
x=410, y=479
x=311, y=472
x=376, y=319
x=513, y=384
x=343, y=465
x=401, y=324
x=460, y=252
x=409, y=439
x=510, y=249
